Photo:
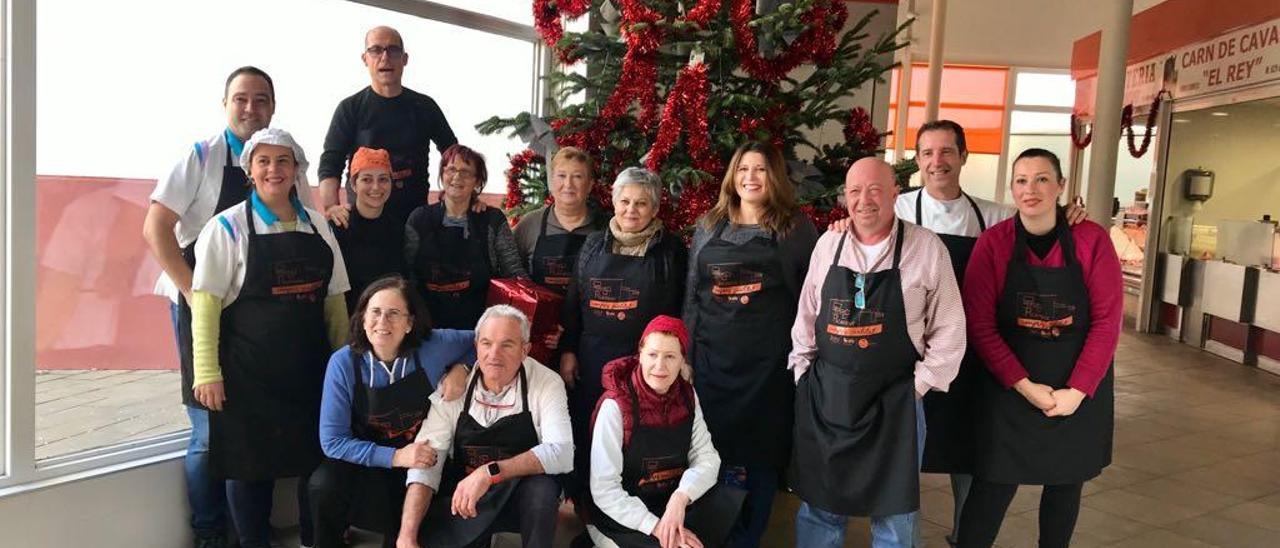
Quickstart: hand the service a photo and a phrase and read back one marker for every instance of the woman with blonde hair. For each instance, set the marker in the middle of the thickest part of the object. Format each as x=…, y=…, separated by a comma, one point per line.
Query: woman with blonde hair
x=748, y=260
x=550, y=237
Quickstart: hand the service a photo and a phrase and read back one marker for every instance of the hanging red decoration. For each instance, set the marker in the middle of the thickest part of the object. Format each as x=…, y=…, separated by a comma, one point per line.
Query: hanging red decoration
x=1126, y=122
x=817, y=43
x=686, y=104
x=515, y=174
x=1080, y=142
x=860, y=133
x=546, y=20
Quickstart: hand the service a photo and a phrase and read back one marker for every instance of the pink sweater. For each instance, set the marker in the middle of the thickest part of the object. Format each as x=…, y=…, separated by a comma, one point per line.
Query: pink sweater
x=984, y=282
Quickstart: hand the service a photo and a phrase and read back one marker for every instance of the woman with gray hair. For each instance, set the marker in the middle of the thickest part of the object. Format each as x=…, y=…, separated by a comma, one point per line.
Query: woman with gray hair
x=625, y=276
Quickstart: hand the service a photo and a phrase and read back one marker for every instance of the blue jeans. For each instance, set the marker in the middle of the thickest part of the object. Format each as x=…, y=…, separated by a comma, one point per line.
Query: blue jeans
x=762, y=486
x=818, y=527
x=206, y=494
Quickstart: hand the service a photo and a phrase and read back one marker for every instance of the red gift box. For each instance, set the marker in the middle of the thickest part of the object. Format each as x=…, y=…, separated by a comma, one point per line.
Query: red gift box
x=540, y=304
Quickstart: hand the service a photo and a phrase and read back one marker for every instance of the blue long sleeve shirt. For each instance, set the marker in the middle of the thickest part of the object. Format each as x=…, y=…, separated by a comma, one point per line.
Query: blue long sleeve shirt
x=445, y=348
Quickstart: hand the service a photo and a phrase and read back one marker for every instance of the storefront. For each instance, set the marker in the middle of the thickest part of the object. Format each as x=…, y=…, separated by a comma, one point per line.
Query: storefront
x=1206, y=267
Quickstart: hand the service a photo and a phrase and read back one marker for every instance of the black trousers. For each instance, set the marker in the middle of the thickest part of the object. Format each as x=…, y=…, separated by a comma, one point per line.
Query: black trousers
x=531, y=511
x=987, y=503
x=344, y=494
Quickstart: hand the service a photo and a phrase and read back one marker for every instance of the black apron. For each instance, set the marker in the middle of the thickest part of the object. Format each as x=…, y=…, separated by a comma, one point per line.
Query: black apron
x=389, y=416
x=949, y=439
x=1044, y=316
x=555, y=256
x=620, y=294
x=371, y=249
x=453, y=269
x=234, y=187
x=855, y=441
x=475, y=446
x=741, y=345
x=273, y=351
x=652, y=465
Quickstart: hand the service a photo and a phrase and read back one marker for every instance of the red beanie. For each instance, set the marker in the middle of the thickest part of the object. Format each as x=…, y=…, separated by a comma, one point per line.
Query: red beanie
x=670, y=325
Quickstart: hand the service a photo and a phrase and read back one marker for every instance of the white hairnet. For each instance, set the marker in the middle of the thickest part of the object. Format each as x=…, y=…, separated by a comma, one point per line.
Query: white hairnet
x=276, y=136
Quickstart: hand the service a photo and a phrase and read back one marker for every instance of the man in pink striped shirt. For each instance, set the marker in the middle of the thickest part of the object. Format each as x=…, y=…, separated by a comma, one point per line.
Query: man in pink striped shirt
x=879, y=324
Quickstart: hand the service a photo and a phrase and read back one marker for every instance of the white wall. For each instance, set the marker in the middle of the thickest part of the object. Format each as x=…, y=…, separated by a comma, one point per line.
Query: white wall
x=1239, y=149
x=143, y=507
x=1034, y=33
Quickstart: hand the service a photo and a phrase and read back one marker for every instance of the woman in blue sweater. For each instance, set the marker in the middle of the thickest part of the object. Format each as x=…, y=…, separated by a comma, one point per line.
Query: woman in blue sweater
x=375, y=397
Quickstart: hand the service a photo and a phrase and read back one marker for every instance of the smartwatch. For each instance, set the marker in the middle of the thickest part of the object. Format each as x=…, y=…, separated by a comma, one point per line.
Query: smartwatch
x=495, y=473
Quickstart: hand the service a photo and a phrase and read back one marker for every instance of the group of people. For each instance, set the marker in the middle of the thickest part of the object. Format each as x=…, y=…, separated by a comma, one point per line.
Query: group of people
x=930, y=331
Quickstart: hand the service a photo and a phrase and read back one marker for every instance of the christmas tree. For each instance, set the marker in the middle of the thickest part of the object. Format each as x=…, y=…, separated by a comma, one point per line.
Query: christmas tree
x=708, y=74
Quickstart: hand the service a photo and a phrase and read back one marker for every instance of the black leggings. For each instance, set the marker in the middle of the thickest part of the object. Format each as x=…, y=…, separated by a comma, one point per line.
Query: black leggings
x=985, y=508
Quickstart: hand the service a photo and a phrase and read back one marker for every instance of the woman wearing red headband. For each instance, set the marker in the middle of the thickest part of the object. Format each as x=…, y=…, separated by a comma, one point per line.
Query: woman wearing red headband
x=371, y=242
x=653, y=467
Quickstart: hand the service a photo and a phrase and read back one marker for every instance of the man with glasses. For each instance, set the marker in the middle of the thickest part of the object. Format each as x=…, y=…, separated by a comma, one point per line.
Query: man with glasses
x=386, y=115
x=879, y=324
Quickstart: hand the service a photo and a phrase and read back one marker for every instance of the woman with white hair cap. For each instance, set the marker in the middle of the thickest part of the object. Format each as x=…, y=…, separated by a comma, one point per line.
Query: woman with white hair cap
x=625, y=276
x=267, y=309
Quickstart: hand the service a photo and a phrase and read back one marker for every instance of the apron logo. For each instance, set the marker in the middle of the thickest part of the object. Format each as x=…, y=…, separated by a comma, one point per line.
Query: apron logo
x=448, y=279
x=611, y=298
x=403, y=425
x=302, y=291
x=849, y=326
x=480, y=455
x=731, y=282
x=558, y=271
x=1044, y=315
x=659, y=472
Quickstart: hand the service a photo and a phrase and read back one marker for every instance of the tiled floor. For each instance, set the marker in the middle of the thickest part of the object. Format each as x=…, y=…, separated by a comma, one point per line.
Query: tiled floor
x=1196, y=464
x=85, y=409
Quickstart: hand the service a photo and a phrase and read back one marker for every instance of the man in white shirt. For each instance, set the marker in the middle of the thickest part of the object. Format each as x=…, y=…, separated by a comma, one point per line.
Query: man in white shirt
x=206, y=181
x=500, y=445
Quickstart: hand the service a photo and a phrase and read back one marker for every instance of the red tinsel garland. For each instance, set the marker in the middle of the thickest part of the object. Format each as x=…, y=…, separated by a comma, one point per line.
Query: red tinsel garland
x=519, y=163
x=817, y=43
x=686, y=103
x=546, y=19
x=1126, y=122
x=859, y=132
x=1080, y=142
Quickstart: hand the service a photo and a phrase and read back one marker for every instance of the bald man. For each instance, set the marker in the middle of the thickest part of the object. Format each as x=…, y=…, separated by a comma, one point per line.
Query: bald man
x=389, y=116
x=879, y=324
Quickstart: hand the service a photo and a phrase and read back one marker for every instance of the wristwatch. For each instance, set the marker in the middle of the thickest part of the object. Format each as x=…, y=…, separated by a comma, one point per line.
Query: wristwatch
x=495, y=473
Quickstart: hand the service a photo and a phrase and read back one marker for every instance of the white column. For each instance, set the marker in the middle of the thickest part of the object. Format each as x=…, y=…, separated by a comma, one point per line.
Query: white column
x=937, y=36
x=1106, y=109
x=904, y=56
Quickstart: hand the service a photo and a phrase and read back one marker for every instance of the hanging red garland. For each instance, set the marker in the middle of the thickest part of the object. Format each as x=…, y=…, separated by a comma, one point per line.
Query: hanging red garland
x=860, y=133
x=515, y=173
x=686, y=104
x=1126, y=122
x=546, y=20
x=817, y=43
x=1080, y=142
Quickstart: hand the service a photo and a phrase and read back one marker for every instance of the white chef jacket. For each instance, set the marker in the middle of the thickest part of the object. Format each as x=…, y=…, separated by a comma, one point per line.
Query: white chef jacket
x=954, y=217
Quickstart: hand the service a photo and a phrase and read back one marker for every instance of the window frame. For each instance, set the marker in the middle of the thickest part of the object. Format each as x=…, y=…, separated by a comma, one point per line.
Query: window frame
x=1011, y=105
x=19, y=470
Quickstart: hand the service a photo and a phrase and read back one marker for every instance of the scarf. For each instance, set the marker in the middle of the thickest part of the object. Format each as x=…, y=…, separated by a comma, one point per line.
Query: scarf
x=656, y=410
x=633, y=244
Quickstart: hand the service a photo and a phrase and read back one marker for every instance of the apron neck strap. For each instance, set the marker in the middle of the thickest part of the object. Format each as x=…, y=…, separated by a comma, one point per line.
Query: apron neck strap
x=1061, y=230
x=982, y=223
x=549, y=211
x=897, y=244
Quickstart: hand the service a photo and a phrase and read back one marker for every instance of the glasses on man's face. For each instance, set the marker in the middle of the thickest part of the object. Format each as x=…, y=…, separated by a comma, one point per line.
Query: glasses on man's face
x=466, y=174
x=393, y=51
x=392, y=315
x=860, y=298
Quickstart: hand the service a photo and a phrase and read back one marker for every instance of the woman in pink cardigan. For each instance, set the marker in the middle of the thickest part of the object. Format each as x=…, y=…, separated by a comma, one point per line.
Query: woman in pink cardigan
x=1044, y=302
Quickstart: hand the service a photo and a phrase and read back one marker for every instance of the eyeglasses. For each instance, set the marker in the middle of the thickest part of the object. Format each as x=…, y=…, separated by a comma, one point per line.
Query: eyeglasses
x=392, y=51
x=392, y=315
x=860, y=298
x=465, y=174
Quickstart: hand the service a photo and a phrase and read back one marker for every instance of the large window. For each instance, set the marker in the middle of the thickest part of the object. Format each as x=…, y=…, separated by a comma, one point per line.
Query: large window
x=121, y=97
